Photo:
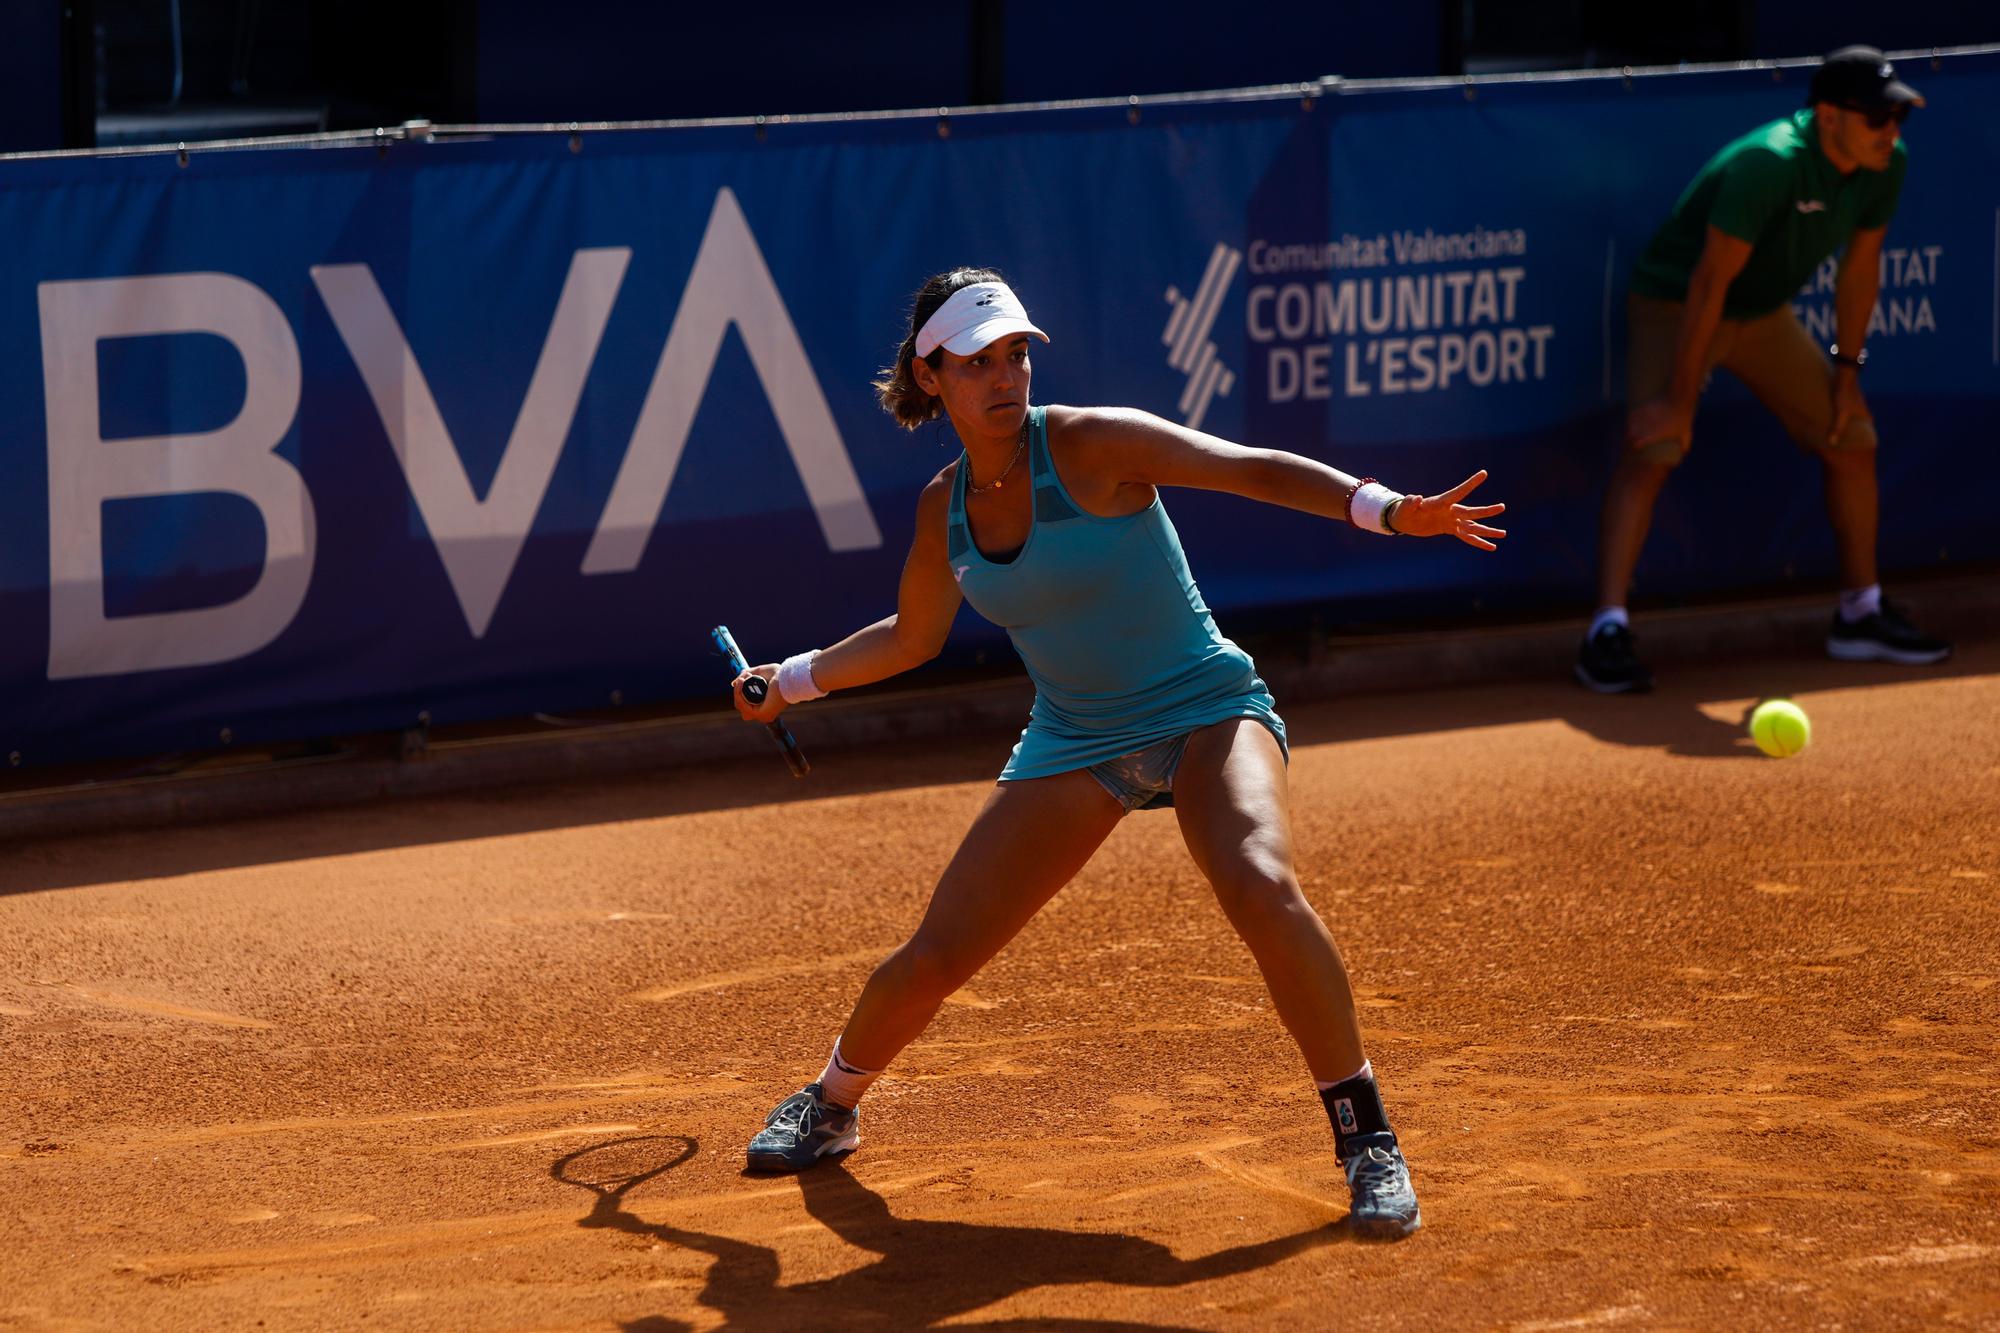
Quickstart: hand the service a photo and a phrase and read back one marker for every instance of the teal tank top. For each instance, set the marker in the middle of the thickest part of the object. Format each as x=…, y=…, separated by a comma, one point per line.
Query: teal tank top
x=1105, y=615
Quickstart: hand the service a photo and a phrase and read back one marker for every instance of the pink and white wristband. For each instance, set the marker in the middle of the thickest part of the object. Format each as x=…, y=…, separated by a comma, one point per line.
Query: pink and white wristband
x=1367, y=505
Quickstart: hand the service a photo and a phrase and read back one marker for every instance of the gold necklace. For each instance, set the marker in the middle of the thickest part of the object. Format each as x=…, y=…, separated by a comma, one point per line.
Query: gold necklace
x=1005, y=472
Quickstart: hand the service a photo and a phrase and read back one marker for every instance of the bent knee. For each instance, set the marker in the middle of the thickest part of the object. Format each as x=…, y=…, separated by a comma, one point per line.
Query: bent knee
x=1260, y=895
x=1665, y=455
x=927, y=969
x=1857, y=437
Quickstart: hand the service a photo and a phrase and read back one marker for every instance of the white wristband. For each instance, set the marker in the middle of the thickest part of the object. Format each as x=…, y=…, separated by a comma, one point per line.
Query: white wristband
x=1368, y=505
x=795, y=678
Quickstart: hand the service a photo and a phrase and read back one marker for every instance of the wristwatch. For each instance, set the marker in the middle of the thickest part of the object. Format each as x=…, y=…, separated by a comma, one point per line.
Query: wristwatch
x=1855, y=362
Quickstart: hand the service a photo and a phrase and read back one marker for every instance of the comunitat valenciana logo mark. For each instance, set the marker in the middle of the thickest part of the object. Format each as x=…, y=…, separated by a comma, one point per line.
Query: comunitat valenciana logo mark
x=1190, y=350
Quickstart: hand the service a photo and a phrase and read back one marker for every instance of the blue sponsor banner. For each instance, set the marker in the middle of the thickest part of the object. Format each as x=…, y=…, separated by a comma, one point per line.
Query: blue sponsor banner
x=311, y=441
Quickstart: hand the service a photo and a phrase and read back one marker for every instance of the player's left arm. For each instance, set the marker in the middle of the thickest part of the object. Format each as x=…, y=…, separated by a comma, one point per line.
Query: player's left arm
x=1136, y=448
x=1854, y=293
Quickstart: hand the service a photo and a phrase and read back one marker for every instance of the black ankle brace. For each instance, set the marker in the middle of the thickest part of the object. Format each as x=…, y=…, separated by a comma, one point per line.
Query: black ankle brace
x=1355, y=1107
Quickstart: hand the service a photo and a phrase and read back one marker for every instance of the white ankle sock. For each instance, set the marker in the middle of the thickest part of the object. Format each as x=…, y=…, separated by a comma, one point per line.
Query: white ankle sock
x=1860, y=603
x=1367, y=1070
x=1609, y=615
x=841, y=1083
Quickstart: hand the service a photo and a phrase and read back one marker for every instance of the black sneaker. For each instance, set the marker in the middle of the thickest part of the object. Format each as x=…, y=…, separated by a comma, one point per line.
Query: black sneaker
x=1384, y=1202
x=1607, y=664
x=802, y=1130
x=1885, y=636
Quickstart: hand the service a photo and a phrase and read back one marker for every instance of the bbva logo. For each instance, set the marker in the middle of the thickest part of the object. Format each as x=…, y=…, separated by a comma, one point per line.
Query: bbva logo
x=478, y=539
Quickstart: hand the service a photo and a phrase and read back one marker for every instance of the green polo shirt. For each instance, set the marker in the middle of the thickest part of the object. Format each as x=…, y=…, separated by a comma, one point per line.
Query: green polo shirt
x=1775, y=189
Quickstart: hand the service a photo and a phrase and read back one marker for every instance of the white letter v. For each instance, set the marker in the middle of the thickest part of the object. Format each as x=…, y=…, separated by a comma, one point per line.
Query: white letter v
x=478, y=540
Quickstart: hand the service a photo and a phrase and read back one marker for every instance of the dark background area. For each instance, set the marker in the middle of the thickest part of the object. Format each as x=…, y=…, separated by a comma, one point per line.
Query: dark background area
x=89, y=73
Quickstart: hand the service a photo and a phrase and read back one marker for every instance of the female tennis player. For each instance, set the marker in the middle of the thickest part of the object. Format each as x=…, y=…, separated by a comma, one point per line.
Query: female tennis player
x=1050, y=523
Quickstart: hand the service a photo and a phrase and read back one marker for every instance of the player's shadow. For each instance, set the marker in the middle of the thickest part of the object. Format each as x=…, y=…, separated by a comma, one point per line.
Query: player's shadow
x=926, y=1271
x=1673, y=726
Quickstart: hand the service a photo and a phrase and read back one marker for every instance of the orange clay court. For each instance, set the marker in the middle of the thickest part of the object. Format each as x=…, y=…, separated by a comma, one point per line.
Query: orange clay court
x=1674, y=1035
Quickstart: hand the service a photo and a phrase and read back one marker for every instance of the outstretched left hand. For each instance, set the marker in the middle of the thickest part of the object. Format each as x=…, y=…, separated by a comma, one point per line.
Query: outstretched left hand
x=1441, y=515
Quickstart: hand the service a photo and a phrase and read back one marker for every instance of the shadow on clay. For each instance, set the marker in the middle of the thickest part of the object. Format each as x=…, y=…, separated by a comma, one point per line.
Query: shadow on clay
x=926, y=1271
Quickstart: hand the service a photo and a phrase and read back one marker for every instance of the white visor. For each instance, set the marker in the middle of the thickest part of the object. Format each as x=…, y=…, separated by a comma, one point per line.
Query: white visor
x=973, y=317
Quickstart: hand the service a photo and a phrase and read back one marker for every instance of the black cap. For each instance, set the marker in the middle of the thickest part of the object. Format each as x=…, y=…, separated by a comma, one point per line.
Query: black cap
x=1860, y=77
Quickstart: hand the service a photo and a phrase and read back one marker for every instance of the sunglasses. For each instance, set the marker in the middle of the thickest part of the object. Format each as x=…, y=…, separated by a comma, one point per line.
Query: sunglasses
x=1878, y=116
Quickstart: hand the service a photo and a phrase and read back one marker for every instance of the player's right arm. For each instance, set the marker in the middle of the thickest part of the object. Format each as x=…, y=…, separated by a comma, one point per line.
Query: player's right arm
x=1672, y=417
x=926, y=604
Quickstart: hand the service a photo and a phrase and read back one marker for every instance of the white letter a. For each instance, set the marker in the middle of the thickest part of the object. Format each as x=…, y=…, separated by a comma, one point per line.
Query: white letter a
x=730, y=284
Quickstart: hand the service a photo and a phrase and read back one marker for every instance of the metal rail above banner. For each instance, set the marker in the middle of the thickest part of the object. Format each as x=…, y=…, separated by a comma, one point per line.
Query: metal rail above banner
x=315, y=437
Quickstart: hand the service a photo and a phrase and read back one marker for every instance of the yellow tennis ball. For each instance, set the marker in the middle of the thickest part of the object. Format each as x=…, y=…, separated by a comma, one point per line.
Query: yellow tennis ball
x=1780, y=728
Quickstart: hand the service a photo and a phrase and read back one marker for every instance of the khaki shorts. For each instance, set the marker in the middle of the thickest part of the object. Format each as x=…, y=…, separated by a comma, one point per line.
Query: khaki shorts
x=1772, y=354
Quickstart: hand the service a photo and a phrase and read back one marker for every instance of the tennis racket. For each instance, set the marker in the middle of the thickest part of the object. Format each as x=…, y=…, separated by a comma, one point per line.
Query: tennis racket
x=755, y=689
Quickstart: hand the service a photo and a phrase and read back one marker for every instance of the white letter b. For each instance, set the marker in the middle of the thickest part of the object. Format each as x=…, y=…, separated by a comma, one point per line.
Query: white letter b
x=85, y=470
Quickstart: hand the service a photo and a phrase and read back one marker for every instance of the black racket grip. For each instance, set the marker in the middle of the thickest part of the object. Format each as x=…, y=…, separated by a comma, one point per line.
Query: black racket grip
x=756, y=690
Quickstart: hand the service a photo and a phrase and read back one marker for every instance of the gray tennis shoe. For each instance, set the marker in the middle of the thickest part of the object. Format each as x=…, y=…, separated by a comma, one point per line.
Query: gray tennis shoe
x=1384, y=1201
x=801, y=1130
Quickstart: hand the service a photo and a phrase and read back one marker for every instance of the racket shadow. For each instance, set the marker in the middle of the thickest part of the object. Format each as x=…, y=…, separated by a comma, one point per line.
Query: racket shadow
x=926, y=1272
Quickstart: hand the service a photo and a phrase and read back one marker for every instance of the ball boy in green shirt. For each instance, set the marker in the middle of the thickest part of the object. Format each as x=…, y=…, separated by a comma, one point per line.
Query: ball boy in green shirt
x=1714, y=288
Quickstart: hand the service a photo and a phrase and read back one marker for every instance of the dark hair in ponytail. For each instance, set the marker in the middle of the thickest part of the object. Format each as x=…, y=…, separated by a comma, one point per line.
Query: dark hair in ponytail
x=896, y=387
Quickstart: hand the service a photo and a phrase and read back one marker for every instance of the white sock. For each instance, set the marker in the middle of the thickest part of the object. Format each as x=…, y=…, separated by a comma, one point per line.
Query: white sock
x=1367, y=1070
x=1860, y=603
x=1610, y=615
x=841, y=1083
